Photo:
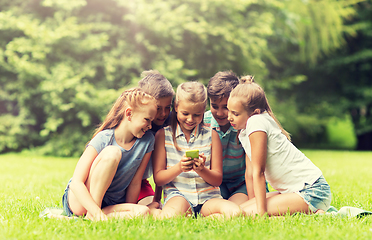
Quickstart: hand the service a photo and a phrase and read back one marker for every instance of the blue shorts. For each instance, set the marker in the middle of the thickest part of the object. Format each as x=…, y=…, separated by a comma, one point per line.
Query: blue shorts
x=66, y=208
x=317, y=195
x=229, y=189
x=195, y=209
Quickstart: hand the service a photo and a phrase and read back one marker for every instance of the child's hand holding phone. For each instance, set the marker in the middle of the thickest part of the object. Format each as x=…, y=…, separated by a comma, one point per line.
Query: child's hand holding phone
x=199, y=163
x=198, y=160
x=187, y=162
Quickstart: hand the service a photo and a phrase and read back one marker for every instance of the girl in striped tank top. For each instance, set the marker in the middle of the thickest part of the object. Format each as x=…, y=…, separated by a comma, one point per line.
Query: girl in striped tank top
x=190, y=185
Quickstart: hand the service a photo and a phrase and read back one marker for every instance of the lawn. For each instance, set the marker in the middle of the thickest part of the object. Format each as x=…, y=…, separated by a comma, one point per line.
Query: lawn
x=32, y=183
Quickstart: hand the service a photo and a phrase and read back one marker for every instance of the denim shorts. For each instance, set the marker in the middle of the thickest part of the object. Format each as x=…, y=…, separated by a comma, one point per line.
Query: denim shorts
x=195, y=209
x=66, y=207
x=317, y=195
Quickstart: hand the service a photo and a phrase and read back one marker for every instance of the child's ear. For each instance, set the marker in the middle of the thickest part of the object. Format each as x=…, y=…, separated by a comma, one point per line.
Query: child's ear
x=257, y=111
x=128, y=113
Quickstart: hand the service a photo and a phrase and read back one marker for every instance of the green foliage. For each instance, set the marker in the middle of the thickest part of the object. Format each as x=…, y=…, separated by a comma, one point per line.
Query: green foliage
x=341, y=83
x=30, y=183
x=63, y=63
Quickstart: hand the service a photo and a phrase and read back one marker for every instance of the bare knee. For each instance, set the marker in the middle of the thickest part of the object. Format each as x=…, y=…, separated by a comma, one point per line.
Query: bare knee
x=110, y=155
x=232, y=210
x=141, y=210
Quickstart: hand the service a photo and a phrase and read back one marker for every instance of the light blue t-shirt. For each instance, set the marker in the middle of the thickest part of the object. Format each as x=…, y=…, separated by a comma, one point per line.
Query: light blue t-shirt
x=128, y=166
x=232, y=151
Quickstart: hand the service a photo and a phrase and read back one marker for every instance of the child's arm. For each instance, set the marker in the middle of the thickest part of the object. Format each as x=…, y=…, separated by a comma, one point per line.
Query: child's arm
x=79, y=188
x=162, y=175
x=213, y=175
x=158, y=193
x=248, y=177
x=258, y=141
x=134, y=187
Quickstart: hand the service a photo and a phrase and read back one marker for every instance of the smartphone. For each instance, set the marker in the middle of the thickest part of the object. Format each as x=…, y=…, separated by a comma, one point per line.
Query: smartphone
x=192, y=153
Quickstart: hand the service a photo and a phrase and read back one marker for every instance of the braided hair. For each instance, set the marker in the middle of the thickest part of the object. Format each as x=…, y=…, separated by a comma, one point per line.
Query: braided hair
x=134, y=98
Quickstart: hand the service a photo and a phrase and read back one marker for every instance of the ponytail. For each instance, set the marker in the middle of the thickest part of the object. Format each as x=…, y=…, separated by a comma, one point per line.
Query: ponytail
x=254, y=97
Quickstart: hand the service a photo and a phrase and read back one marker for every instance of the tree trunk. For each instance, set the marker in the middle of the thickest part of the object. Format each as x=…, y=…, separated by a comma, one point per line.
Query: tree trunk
x=364, y=141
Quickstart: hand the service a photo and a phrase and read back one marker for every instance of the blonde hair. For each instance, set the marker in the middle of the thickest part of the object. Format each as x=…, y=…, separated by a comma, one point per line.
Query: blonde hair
x=253, y=97
x=193, y=92
x=155, y=84
x=134, y=98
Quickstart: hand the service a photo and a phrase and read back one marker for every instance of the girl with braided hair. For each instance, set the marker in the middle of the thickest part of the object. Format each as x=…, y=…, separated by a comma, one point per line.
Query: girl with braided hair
x=107, y=178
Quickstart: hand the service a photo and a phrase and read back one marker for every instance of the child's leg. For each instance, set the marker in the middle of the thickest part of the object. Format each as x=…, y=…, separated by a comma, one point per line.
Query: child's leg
x=125, y=210
x=235, y=192
x=220, y=208
x=99, y=179
x=239, y=198
x=174, y=207
x=278, y=204
x=253, y=200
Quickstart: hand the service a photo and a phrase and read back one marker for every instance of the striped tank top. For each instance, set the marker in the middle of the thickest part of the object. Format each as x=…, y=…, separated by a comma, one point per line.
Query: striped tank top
x=189, y=184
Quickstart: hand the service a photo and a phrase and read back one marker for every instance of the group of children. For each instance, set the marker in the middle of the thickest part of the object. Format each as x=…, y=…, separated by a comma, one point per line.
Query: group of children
x=241, y=144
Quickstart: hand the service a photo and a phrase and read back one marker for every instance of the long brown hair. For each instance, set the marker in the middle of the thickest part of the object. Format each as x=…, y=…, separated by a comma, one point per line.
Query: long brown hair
x=134, y=98
x=253, y=97
x=193, y=92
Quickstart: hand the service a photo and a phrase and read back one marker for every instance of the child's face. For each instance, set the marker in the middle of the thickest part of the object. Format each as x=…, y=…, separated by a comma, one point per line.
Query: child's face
x=238, y=116
x=164, y=107
x=219, y=110
x=141, y=120
x=189, y=115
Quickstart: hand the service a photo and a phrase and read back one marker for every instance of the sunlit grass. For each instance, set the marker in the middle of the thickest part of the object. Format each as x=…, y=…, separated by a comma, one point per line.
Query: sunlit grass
x=29, y=184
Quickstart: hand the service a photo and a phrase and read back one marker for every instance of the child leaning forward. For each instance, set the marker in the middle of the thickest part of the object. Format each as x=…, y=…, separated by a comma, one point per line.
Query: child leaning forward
x=190, y=185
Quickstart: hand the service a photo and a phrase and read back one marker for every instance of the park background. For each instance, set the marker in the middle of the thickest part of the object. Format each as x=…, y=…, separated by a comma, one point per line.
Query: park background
x=64, y=62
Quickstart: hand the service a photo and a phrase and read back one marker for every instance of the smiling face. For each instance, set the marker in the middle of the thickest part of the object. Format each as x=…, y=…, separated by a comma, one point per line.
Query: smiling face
x=163, y=110
x=141, y=120
x=219, y=110
x=189, y=115
x=238, y=116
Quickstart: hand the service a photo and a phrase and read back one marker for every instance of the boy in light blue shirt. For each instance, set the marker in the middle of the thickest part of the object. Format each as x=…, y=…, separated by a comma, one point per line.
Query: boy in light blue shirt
x=233, y=185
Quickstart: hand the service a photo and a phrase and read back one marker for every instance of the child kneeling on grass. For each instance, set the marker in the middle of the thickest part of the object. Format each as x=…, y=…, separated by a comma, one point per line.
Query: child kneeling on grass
x=300, y=184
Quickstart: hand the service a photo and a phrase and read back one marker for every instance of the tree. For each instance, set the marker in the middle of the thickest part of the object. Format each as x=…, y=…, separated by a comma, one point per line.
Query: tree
x=341, y=84
x=63, y=63
x=310, y=32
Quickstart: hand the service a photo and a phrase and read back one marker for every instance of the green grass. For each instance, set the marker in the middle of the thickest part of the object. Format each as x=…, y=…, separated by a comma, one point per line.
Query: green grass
x=29, y=184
